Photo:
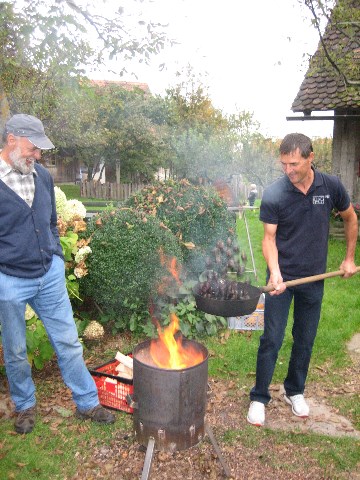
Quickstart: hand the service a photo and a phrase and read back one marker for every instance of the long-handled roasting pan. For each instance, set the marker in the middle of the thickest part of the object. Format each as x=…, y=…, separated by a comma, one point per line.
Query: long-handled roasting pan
x=235, y=308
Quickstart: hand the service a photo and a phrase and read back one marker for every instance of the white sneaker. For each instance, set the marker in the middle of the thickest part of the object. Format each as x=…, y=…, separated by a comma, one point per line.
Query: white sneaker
x=256, y=414
x=299, y=407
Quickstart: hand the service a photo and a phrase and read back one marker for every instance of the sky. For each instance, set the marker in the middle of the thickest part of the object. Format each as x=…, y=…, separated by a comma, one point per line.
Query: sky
x=251, y=55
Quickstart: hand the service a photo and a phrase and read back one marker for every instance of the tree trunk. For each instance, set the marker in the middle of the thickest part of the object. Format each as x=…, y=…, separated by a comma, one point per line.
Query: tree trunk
x=118, y=172
x=4, y=108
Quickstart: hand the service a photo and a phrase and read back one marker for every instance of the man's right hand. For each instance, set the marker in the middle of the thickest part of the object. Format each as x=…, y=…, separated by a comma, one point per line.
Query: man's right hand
x=276, y=281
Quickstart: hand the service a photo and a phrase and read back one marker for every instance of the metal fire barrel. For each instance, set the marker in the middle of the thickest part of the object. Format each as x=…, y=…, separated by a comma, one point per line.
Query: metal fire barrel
x=169, y=405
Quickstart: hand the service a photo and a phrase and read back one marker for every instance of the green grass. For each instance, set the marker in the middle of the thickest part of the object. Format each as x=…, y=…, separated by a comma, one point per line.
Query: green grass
x=72, y=191
x=54, y=451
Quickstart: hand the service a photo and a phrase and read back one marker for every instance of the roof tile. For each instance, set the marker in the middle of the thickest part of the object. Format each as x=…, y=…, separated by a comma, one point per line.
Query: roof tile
x=323, y=88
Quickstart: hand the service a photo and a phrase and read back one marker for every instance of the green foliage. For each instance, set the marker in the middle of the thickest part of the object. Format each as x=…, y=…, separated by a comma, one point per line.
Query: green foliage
x=193, y=322
x=195, y=214
x=49, y=34
x=258, y=160
x=39, y=348
x=68, y=245
x=69, y=248
x=323, y=154
x=44, y=46
x=205, y=142
x=124, y=269
x=132, y=130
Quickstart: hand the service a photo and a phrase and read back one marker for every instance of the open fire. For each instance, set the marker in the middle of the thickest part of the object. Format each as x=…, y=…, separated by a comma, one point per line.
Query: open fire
x=170, y=352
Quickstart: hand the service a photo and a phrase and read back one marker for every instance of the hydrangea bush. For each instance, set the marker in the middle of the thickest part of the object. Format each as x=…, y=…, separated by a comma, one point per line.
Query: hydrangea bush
x=39, y=348
x=71, y=215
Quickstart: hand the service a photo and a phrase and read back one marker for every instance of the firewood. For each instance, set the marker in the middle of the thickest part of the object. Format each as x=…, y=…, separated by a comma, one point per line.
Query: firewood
x=124, y=359
x=124, y=371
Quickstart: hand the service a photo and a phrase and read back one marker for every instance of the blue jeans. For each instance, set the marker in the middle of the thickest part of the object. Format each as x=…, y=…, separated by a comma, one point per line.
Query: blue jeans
x=47, y=295
x=307, y=307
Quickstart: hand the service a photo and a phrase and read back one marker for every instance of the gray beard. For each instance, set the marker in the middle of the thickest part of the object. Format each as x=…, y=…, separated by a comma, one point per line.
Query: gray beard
x=19, y=163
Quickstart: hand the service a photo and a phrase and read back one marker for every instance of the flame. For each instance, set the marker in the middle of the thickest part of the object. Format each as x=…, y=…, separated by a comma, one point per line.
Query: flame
x=169, y=352
x=171, y=265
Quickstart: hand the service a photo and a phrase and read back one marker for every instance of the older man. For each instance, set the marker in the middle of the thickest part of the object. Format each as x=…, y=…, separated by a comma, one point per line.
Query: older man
x=32, y=271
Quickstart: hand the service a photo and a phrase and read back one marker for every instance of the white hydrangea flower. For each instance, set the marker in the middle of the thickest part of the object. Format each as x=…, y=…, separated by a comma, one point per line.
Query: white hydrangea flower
x=76, y=209
x=82, y=253
x=29, y=312
x=94, y=330
x=67, y=210
x=80, y=271
x=61, y=203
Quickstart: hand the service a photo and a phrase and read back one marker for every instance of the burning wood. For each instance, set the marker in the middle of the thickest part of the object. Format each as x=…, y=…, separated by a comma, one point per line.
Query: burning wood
x=169, y=352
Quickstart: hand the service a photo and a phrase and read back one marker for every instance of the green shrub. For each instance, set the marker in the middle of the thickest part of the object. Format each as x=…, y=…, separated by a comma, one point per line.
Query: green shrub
x=124, y=267
x=195, y=214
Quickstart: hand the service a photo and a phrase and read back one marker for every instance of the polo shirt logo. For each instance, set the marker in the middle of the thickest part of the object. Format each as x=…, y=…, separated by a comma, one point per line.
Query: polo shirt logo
x=318, y=200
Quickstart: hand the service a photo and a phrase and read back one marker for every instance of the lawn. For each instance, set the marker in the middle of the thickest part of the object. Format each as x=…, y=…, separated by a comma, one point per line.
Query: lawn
x=92, y=205
x=64, y=448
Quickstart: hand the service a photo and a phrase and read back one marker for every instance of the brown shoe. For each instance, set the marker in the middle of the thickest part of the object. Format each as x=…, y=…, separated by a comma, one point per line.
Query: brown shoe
x=25, y=420
x=97, y=414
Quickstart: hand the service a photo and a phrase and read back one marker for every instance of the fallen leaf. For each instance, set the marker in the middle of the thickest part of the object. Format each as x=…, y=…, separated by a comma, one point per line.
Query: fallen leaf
x=64, y=412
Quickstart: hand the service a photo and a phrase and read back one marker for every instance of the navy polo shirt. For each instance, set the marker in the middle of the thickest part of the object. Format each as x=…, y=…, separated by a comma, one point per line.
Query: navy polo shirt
x=302, y=222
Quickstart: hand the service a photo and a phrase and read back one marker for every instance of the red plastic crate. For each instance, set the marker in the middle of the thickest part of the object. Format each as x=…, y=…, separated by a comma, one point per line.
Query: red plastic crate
x=112, y=389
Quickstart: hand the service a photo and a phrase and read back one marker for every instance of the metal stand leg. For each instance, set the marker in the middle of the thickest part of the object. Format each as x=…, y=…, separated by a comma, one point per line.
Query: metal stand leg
x=210, y=434
x=148, y=459
x=250, y=246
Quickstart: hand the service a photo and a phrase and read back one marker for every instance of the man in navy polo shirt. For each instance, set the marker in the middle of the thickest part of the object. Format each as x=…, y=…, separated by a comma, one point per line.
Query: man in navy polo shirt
x=295, y=211
x=32, y=271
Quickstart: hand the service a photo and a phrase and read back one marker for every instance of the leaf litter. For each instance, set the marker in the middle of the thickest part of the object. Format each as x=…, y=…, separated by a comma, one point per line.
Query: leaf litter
x=247, y=458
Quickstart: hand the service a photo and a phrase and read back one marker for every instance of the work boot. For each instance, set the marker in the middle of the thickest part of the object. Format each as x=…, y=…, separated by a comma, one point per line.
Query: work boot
x=25, y=420
x=299, y=407
x=97, y=414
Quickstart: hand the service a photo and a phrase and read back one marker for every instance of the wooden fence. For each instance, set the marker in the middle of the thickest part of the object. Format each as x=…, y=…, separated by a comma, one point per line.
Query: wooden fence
x=122, y=191
x=109, y=191
x=337, y=230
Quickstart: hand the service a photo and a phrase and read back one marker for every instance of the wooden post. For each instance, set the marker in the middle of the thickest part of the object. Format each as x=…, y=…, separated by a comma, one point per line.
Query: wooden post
x=117, y=171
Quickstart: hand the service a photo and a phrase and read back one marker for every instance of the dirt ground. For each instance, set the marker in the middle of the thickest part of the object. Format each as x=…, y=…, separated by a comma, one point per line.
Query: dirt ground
x=261, y=459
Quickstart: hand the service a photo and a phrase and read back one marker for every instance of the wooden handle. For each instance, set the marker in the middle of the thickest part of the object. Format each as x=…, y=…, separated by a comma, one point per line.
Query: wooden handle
x=313, y=278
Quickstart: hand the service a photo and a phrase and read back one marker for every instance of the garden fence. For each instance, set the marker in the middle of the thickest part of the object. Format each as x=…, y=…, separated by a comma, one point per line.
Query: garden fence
x=109, y=191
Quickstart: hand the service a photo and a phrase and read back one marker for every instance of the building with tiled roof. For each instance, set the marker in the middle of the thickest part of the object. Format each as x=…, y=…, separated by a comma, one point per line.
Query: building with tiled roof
x=332, y=83
x=130, y=86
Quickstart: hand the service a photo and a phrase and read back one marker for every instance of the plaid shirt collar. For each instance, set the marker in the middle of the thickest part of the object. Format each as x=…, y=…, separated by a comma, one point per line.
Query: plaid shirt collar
x=22, y=185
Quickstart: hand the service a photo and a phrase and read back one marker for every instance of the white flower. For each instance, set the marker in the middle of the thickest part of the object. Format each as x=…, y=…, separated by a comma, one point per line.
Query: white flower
x=80, y=272
x=29, y=312
x=76, y=209
x=82, y=253
x=94, y=331
x=67, y=210
x=61, y=203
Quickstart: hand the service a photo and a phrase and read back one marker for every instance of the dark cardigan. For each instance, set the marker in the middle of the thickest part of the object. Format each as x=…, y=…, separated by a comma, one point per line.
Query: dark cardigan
x=28, y=235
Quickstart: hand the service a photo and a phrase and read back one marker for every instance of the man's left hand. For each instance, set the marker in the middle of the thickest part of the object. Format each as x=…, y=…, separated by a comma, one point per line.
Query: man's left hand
x=349, y=268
